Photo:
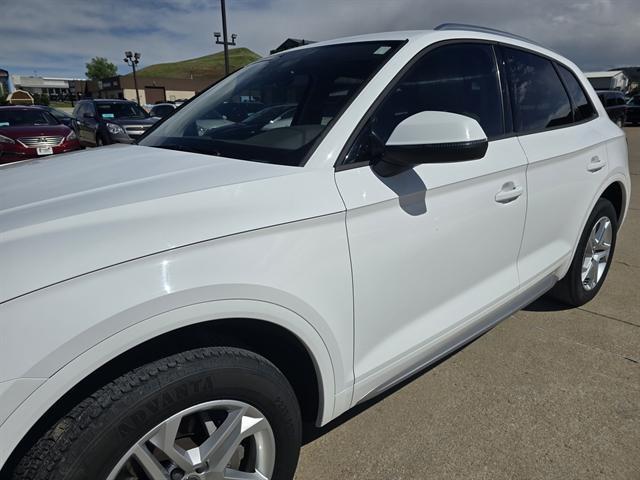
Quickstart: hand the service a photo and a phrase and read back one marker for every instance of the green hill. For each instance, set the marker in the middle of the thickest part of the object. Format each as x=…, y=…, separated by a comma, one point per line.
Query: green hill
x=207, y=66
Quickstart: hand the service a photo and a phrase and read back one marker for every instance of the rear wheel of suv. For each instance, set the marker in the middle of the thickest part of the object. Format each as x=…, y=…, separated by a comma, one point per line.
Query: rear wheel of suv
x=215, y=412
x=592, y=259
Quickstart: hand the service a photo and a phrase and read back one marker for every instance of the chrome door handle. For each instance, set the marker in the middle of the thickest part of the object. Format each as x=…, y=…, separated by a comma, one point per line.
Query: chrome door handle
x=595, y=164
x=509, y=192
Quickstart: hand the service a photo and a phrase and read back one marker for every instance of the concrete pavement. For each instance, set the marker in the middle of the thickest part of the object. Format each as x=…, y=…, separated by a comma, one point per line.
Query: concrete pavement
x=551, y=393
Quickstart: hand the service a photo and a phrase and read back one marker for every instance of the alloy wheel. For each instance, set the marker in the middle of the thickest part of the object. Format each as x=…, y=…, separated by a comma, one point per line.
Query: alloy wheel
x=596, y=253
x=218, y=440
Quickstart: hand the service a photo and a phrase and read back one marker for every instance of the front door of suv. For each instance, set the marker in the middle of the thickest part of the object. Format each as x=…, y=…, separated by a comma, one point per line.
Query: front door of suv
x=433, y=251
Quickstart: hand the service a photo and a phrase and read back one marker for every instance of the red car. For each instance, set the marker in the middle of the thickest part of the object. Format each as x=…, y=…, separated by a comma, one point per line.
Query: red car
x=29, y=132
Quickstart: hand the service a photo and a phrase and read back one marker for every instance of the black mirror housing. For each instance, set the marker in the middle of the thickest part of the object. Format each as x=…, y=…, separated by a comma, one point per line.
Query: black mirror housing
x=397, y=158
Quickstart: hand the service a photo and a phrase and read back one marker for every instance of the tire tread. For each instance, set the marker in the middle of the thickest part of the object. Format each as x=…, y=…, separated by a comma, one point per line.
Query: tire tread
x=45, y=455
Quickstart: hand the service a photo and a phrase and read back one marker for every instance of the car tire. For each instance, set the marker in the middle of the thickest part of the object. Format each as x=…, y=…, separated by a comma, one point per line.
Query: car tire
x=589, y=266
x=205, y=392
x=99, y=140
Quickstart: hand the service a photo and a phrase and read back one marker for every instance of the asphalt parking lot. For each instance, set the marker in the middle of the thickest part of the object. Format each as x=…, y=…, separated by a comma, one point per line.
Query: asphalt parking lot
x=549, y=393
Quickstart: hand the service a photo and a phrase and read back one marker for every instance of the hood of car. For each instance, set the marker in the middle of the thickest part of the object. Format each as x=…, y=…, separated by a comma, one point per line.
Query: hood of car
x=35, y=131
x=84, y=211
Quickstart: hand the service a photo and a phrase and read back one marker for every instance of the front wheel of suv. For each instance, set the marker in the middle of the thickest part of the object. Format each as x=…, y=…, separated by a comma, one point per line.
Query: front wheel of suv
x=214, y=412
x=592, y=259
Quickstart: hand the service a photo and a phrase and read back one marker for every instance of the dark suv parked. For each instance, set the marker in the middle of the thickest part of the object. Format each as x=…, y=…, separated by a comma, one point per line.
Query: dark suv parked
x=102, y=122
x=633, y=110
x=615, y=104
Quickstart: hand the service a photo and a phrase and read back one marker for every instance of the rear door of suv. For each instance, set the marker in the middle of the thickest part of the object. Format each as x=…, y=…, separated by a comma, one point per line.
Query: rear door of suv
x=557, y=126
x=433, y=248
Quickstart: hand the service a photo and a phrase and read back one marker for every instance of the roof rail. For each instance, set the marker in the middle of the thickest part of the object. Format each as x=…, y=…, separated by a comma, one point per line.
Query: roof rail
x=478, y=28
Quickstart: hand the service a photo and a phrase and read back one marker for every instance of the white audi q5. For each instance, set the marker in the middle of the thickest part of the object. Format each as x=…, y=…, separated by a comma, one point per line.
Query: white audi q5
x=179, y=308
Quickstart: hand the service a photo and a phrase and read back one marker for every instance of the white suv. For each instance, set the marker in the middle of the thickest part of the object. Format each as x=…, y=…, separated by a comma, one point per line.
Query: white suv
x=178, y=308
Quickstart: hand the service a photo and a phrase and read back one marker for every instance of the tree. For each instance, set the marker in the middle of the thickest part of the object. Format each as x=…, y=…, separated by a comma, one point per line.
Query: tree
x=100, y=68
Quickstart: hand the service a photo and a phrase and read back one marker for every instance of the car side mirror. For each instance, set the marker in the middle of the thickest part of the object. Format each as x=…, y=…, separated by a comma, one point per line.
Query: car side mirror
x=431, y=137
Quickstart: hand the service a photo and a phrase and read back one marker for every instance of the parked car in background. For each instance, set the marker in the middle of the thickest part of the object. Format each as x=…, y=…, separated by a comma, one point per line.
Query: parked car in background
x=275, y=116
x=30, y=132
x=615, y=104
x=228, y=113
x=176, y=309
x=162, y=110
x=633, y=110
x=62, y=117
x=103, y=122
x=235, y=111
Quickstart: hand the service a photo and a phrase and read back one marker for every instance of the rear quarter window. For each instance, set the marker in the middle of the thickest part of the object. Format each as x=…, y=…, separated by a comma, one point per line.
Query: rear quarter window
x=582, y=107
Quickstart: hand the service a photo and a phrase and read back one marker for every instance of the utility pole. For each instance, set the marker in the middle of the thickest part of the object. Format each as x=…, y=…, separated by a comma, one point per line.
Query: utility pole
x=224, y=41
x=133, y=59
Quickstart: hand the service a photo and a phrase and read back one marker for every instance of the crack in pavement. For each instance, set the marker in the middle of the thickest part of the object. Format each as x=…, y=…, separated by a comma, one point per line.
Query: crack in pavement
x=589, y=346
x=627, y=264
x=609, y=317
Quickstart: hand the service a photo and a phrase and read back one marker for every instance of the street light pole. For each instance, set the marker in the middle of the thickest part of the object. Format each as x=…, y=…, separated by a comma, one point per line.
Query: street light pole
x=224, y=41
x=224, y=38
x=133, y=59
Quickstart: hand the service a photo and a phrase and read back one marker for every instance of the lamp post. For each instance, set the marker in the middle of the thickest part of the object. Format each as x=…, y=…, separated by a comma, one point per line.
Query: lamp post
x=133, y=59
x=224, y=41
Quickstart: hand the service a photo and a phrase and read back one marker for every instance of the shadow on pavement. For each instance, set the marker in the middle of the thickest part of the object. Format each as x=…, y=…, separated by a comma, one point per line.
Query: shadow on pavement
x=546, y=304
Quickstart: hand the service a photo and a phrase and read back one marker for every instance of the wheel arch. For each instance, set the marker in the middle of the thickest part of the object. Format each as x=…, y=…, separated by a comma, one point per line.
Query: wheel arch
x=616, y=194
x=302, y=357
x=615, y=189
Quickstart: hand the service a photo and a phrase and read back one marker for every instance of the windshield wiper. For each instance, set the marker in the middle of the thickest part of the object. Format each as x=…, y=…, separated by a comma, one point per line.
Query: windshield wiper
x=188, y=148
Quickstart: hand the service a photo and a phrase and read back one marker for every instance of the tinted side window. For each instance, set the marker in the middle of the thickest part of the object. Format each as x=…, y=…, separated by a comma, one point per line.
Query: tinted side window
x=582, y=108
x=538, y=97
x=459, y=78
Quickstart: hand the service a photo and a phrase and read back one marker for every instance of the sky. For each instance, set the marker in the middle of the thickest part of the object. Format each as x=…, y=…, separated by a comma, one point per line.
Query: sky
x=58, y=37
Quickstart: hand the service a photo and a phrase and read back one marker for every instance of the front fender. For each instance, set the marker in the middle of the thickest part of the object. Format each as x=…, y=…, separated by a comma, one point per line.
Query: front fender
x=51, y=390
x=296, y=275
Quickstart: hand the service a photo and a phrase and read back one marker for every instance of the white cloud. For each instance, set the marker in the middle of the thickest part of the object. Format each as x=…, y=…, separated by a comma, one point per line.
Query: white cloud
x=61, y=35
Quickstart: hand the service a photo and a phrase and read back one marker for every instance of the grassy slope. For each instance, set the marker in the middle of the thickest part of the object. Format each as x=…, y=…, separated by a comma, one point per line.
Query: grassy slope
x=207, y=66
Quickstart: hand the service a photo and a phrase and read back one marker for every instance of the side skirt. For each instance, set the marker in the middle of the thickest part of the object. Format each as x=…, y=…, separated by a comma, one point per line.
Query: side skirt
x=468, y=332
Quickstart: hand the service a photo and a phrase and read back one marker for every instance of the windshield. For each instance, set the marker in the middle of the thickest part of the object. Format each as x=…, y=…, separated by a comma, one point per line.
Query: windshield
x=275, y=109
x=25, y=117
x=59, y=114
x=634, y=101
x=120, y=110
